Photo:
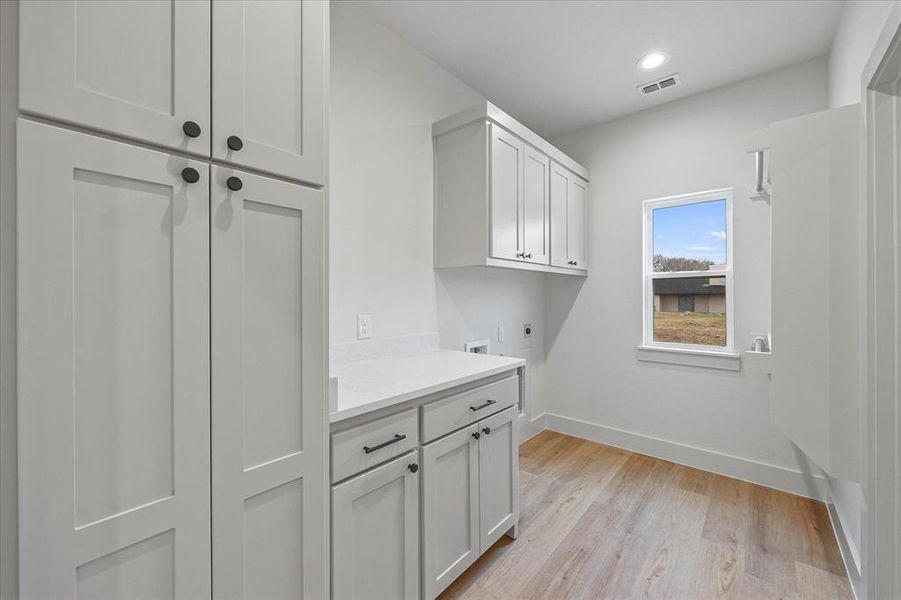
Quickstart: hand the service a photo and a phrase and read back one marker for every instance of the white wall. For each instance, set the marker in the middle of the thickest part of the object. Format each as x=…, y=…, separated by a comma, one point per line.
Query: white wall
x=859, y=26
x=8, y=483
x=385, y=95
x=690, y=145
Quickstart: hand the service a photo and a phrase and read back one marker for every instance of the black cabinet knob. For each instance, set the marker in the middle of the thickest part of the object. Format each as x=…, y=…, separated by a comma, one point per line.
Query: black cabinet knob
x=234, y=142
x=477, y=435
x=487, y=430
x=234, y=184
x=413, y=467
x=190, y=175
x=191, y=129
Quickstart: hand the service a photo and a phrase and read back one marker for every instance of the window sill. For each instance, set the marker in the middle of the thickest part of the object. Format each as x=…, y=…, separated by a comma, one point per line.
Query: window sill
x=725, y=361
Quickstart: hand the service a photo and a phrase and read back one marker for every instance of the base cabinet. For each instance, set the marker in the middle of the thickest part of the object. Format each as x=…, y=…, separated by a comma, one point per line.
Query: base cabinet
x=411, y=524
x=375, y=532
x=470, y=496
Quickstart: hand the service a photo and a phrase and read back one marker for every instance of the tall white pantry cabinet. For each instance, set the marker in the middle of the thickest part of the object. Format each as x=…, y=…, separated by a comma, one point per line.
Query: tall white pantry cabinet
x=171, y=299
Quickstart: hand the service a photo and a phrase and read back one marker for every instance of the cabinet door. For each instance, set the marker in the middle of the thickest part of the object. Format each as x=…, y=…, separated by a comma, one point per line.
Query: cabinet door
x=135, y=69
x=577, y=222
x=450, y=511
x=269, y=404
x=535, y=207
x=113, y=371
x=375, y=540
x=498, y=476
x=569, y=219
x=506, y=193
x=559, y=191
x=269, y=78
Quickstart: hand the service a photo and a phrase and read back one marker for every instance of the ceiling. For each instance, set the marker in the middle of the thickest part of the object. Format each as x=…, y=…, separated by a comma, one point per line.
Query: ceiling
x=560, y=66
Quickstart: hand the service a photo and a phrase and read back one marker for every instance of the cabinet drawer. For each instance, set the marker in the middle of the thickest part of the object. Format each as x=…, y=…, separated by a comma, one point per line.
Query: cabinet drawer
x=364, y=446
x=443, y=416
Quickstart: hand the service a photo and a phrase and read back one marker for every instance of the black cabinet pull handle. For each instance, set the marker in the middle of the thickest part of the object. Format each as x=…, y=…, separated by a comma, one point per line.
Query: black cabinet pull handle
x=481, y=406
x=234, y=143
x=413, y=467
x=234, y=184
x=477, y=435
x=529, y=255
x=191, y=129
x=190, y=175
x=397, y=437
x=487, y=430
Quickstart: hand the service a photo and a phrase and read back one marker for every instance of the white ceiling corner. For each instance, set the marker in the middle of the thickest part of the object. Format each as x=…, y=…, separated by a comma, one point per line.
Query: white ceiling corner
x=563, y=65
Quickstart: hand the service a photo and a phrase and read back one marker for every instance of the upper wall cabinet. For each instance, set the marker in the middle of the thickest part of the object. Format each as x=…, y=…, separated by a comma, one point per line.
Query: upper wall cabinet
x=495, y=198
x=268, y=83
x=141, y=70
x=136, y=69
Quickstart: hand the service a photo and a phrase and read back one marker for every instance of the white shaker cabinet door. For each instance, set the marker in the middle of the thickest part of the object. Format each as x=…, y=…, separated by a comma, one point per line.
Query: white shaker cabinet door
x=577, y=222
x=113, y=322
x=535, y=207
x=136, y=69
x=269, y=80
x=375, y=541
x=498, y=476
x=506, y=185
x=559, y=189
x=450, y=511
x=269, y=402
x=569, y=219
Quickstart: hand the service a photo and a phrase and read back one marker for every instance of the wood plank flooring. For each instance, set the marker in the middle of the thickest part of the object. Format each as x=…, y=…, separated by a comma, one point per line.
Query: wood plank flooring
x=600, y=522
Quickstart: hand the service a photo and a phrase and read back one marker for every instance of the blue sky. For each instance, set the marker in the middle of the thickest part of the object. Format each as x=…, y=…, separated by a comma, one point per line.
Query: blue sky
x=692, y=230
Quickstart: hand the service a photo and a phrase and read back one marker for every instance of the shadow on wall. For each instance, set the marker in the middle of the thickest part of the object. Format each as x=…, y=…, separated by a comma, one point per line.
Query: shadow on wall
x=483, y=303
x=476, y=302
x=566, y=290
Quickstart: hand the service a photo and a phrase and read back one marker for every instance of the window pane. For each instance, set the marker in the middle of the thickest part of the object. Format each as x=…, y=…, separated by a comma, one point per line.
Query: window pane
x=690, y=310
x=690, y=237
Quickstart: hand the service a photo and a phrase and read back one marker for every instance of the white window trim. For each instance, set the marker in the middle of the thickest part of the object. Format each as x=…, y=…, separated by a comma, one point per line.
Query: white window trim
x=677, y=352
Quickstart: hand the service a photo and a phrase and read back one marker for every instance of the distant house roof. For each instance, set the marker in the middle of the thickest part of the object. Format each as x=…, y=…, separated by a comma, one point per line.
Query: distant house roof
x=695, y=286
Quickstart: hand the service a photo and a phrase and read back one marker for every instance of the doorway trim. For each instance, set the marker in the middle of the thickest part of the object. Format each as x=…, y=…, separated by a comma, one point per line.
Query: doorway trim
x=881, y=93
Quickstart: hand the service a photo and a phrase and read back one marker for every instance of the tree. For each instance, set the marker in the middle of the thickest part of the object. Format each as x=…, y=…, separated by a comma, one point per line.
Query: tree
x=680, y=263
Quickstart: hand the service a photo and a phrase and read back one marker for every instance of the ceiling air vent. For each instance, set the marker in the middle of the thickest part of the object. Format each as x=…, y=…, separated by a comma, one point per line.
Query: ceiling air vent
x=661, y=84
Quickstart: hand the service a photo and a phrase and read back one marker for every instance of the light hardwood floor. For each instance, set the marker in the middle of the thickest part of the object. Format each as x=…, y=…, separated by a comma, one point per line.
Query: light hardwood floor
x=600, y=522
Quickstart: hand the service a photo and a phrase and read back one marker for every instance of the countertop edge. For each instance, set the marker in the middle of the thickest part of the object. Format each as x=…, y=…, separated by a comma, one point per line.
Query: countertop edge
x=356, y=411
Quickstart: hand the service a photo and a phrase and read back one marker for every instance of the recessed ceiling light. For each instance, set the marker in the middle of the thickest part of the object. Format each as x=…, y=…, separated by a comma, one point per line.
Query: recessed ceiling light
x=653, y=60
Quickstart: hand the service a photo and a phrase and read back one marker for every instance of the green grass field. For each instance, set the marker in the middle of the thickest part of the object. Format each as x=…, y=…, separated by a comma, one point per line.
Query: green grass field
x=690, y=328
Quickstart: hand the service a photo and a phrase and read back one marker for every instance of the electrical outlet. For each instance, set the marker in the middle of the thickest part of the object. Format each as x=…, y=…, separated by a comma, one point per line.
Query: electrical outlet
x=364, y=327
x=500, y=333
x=527, y=330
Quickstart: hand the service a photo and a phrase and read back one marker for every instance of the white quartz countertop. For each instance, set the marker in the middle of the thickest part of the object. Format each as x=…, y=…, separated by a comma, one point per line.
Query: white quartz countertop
x=368, y=385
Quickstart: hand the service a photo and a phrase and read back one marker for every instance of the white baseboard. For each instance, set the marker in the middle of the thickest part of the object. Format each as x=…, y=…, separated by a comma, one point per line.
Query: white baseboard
x=772, y=476
x=844, y=547
x=529, y=428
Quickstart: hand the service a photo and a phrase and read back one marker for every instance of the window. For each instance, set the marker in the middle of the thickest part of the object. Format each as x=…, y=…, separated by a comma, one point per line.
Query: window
x=688, y=272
